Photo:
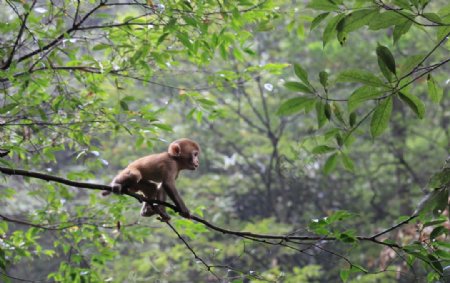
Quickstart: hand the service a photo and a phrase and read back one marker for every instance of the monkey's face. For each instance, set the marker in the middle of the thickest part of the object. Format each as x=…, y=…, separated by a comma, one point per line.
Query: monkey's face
x=187, y=152
x=194, y=162
x=191, y=155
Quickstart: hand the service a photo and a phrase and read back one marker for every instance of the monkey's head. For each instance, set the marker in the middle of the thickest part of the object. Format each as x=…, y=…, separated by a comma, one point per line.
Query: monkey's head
x=187, y=152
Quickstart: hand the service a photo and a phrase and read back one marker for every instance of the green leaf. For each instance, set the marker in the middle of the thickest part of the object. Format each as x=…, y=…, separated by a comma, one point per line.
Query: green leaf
x=348, y=162
x=320, y=113
x=441, y=202
x=346, y=238
x=444, y=255
x=301, y=73
x=403, y=4
x=321, y=149
x=414, y=103
x=297, y=86
x=339, y=215
x=440, y=179
x=317, y=20
x=162, y=126
x=435, y=222
x=437, y=232
x=324, y=5
x=294, y=105
x=123, y=105
x=442, y=32
x=359, y=268
x=435, y=263
x=330, y=28
x=338, y=112
x=319, y=227
x=385, y=59
x=352, y=119
x=184, y=38
x=432, y=17
x=330, y=164
x=432, y=201
x=385, y=20
x=206, y=102
x=8, y=107
x=381, y=116
x=344, y=274
x=401, y=29
x=357, y=19
x=161, y=38
x=190, y=20
x=417, y=255
x=339, y=140
x=101, y=46
x=323, y=78
x=328, y=111
x=361, y=95
x=359, y=76
x=310, y=105
x=434, y=91
x=341, y=34
x=444, y=245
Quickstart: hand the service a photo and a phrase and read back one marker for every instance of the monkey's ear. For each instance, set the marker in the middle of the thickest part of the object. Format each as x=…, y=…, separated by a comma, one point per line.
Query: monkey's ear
x=174, y=149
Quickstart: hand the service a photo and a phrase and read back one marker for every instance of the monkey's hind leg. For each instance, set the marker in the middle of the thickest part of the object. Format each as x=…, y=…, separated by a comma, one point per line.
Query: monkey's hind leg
x=126, y=179
x=161, y=209
x=147, y=210
x=153, y=191
x=150, y=190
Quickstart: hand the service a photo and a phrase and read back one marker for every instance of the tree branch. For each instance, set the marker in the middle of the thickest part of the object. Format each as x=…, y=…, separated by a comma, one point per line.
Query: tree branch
x=19, y=35
x=208, y=267
x=61, y=36
x=243, y=234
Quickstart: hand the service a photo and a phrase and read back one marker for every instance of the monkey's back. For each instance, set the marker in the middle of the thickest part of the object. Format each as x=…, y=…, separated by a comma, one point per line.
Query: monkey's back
x=152, y=167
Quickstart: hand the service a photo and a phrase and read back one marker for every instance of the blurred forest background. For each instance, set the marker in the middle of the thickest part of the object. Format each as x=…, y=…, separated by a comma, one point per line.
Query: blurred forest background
x=324, y=127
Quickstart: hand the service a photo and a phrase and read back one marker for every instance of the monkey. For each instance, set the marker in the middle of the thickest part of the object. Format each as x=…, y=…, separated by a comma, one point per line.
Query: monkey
x=154, y=176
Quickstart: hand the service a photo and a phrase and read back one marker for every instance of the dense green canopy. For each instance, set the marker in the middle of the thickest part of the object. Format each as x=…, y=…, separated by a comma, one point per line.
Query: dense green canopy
x=324, y=127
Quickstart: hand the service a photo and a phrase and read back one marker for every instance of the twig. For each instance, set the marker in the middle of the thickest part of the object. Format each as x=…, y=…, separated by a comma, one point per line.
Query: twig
x=444, y=38
x=395, y=226
x=19, y=279
x=208, y=267
x=55, y=227
x=62, y=35
x=42, y=123
x=19, y=35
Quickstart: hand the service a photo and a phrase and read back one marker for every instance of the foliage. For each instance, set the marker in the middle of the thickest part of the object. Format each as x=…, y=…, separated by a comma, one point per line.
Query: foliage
x=335, y=135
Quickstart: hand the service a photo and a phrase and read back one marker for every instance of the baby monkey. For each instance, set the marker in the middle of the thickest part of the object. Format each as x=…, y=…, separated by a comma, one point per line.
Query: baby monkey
x=154, y=176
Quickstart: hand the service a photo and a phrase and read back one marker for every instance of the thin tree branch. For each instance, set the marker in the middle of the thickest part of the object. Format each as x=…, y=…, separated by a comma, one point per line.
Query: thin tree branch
x=444, y=38
x=406, y=221
x=19, y=36
x=61, y=36
x=42, y=123
x=208, y=267
x=19, y=279
x=76, y=13
x=63, y=226
x=244, y=234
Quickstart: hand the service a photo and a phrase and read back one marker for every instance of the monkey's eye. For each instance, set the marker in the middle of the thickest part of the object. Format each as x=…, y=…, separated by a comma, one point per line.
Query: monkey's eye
x=195, y=153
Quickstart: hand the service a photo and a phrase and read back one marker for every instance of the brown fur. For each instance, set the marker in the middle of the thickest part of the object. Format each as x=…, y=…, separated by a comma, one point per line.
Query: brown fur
x=154, y=176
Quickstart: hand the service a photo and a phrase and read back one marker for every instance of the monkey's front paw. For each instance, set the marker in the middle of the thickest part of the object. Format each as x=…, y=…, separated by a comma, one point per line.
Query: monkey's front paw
x=164, y=218
x=186, y=214
x=117, y=189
